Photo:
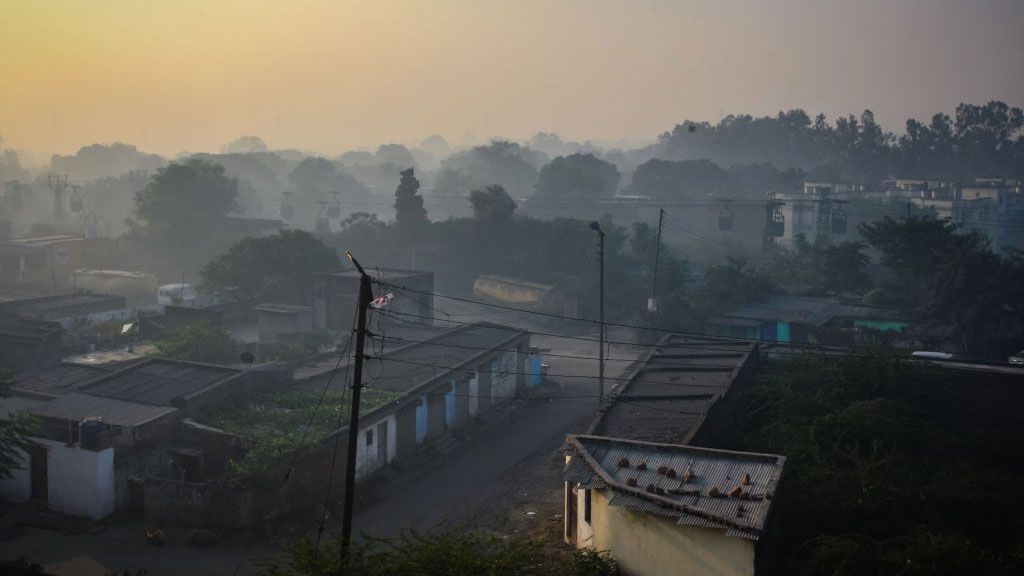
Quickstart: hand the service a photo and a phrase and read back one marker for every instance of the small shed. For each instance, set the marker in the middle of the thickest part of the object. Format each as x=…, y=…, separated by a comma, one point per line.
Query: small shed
x=277, y=319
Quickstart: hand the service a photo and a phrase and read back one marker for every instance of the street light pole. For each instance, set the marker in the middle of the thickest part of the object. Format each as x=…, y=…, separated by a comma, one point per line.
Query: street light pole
x=596, y=226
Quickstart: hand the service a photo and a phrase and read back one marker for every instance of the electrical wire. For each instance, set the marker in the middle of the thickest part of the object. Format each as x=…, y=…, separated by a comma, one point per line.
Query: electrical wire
x=298, y=447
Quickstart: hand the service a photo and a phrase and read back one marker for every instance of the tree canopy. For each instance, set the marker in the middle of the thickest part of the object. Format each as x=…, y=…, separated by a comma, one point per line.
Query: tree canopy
x=575, y=178
x=15, y=433
x=275, y=268
x=410, y=215
x=200, y=341
x=968, y=294
x=185, y=199
x=981, y=141
x=492, y=205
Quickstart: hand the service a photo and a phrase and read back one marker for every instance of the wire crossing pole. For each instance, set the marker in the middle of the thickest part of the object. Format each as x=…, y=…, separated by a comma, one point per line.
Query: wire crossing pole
x=596, y=226
x=652, y=306
x=365, y=297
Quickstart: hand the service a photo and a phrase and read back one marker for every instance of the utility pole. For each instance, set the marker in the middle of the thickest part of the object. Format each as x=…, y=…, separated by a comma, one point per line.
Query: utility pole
x=652, y=304
x=365, y=297
x=596, y=226
x=58, y=184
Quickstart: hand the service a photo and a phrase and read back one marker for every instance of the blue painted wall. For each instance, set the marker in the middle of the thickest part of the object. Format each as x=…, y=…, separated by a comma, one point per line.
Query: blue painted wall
x=421, y=420
x=449, y=406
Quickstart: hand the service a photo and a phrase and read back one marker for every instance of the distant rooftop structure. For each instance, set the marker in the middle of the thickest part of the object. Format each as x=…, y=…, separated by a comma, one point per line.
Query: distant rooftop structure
x=45, y=240
x=812, y=311
x=408, y=361
x=76, y=407
x=699, y=487
x=387, y=274
x=671, y=390
x=159, y=381
x=280, y=308
x=335, y=293
x=53, y=381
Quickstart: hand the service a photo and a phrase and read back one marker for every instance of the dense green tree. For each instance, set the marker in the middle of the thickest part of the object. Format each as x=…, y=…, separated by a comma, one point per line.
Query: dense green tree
x=492, y=205
x=679, y=179
x=878, y=464
x=313, y=176
x=200, y=341
x=984, y=138
x=15, y=435
x=10, y=166
x=512, y=166
x=576, y=178
x=244, y=145
x=105, y=161
x=410, y=215
x=275, y=268
x=730, y=284
x=185, y=200
x=968, y=294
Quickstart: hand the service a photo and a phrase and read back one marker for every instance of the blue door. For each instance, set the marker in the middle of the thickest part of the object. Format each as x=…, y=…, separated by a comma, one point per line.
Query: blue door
x=535, y=370
x=769, y=332
x=449, y=407
x=421, y=419
x=783, y=332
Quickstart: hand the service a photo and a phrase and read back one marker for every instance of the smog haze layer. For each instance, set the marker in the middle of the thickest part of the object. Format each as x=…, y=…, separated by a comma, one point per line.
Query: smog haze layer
x=331, y=76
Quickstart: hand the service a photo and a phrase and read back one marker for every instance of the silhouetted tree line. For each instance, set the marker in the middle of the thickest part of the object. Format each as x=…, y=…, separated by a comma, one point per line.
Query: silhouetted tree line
x=892, y=467
x=979, y=141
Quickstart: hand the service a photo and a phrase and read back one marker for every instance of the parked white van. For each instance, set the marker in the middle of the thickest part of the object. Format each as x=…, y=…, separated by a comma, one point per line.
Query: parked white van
x=175, y=294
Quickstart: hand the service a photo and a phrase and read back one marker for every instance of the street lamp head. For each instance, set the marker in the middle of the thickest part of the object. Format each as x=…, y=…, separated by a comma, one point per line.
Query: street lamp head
x=596, y=227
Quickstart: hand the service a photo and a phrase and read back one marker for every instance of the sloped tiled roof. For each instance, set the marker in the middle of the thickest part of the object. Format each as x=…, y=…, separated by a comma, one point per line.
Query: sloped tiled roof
x=697, y=486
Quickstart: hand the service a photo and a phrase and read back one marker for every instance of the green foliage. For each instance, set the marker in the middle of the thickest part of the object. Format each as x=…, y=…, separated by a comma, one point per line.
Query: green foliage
x=180, y=215
x=512, y=166
x=593, y=562
x=410, y=215
x=730, y=284
x=492, y=205
x=886, y=471
x=577, y=178
x=274, y=422
x=982, y=140
x=275, y=268
x=15, y=435
x=290, y=347
x=838, y=268
x=184, y=198
x=968, y=294
x=200, y=341
x=457, y=552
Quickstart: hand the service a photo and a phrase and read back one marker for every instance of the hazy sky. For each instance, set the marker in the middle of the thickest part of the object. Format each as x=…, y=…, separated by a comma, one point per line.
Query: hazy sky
x=193, y=74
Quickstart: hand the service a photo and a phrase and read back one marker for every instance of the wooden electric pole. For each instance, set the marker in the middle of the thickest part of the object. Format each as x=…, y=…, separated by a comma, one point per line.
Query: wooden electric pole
x=365, y=297
x=652, y=304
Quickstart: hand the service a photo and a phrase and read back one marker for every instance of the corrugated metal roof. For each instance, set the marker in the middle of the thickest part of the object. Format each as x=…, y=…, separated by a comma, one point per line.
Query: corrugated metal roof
x=158, y=381
x=11, y=404
x=414, y=363
x=667, y=393
x=638, y=472
x=812, y=311
x=56, y=380
x=76, y=407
